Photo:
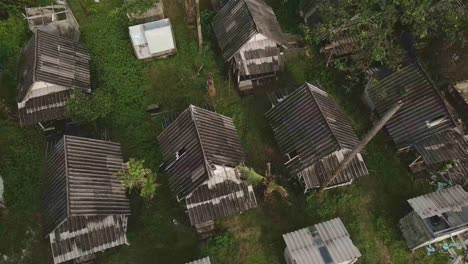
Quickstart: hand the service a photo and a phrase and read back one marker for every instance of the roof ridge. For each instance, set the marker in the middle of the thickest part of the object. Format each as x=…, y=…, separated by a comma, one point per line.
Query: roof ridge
x=251, y=15
x=65, y=153
x=321, y=111
x=194, y=119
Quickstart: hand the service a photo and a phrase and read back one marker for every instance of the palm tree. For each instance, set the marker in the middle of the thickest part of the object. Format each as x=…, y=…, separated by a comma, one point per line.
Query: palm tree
x=268, y=181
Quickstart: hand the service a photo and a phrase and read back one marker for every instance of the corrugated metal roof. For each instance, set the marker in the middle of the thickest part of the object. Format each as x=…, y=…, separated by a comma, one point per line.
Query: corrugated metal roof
x=225, y=198
x=327, y=242
x=80, y=179
x=414, y=230
x=309, y=126
x=424, y=113
x=444, y=146
x=44, y=108
x=239, y=20
x=452, y=199
x=195, y=141
x=84, y=235
x=200, y=261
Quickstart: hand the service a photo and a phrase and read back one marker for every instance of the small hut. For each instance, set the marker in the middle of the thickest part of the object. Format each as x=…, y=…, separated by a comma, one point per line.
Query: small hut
x=315, y=135
x=51, y=67
x=200, y=261
x=54, y=19
x=85, y=206
x=250, y=39
x=424, y=112
x=201, y=150
x=327, y=242
x=343, y=44
x=435, y=217
x=153, y=40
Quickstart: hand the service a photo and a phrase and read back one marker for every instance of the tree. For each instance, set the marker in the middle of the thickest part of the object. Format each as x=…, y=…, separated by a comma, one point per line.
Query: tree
x=377, y=25
x=268, y=181
x=137, y=177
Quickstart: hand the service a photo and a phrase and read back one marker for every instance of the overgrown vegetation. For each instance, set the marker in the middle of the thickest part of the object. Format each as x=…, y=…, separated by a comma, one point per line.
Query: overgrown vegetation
x=379, y=26
x=159, y=231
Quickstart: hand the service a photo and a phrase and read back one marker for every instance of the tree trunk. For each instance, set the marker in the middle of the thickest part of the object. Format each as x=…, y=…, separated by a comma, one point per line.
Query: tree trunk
x=389, y=114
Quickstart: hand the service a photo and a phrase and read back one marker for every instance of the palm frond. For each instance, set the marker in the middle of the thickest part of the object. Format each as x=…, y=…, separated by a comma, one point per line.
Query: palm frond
x=252, y=176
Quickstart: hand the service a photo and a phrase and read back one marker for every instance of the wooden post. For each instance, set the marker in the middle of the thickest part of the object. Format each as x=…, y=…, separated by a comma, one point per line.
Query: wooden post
x=199, y=31
x=389, y=114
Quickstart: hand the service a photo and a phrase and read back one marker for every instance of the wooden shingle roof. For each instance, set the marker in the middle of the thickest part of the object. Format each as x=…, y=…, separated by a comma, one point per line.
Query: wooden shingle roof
x=195, y=141
x=423, y=113
x=80, y=180
x=239, y=20
x=314, y=132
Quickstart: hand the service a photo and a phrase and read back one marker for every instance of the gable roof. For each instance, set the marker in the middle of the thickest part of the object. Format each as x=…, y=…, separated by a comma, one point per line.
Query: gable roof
x=53, y=59
x=327, y=242
x=422, y=108
x=80, y=180
x=200, y=138
x=445, y=146
x=310, y=124
x=452, y=199
x=239, y=20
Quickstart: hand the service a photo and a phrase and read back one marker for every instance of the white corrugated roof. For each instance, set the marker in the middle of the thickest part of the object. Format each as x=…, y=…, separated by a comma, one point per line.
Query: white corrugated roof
x=322, y=243
x=201, y=261
x=448, y=200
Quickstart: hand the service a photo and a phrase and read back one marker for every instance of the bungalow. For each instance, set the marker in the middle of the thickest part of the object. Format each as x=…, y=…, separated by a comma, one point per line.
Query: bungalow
x=53, y=19
x=201, y=150
x=435, y=217
x=250, y=39
x=327, y=242
x=424, y=112
x=85, y=205
x=315, y=135
x=51, y=67
x=201, y=261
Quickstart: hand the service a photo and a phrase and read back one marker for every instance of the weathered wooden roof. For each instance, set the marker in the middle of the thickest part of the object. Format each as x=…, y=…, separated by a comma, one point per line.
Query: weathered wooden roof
x=80, y=180
x=195, y=141
x=219, y=200
x=327, y=242
x=239, y=20
x=200, y=261
x=309, y=126
x=445, y=146
x=452, y=199
x=80, y=236
x=44, y=108
x=424, y=112
x=55, y=60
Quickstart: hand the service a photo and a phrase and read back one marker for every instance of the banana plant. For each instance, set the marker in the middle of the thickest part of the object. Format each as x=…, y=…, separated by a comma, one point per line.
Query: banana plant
x=267, y=181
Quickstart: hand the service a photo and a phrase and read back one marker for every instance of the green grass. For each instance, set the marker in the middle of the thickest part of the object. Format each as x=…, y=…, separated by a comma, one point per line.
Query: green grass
x=159, y=232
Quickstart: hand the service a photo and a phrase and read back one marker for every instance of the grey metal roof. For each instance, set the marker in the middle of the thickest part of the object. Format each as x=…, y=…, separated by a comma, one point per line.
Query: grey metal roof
x=452, y=199
x=44, y=108
x=80, y=180
x=259, y=58
x=445, y=146
x=205, y=138
x=239, y=20
x=424, y=113
x=414, y=230
x=80, y=236
x=309, y=124
x=219, y=200
x=56, y=60
x=200, y=261
x=323, y=243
